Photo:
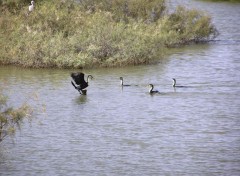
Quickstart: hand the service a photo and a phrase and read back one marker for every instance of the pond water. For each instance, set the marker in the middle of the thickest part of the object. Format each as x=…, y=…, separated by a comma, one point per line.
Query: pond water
x=125, y=131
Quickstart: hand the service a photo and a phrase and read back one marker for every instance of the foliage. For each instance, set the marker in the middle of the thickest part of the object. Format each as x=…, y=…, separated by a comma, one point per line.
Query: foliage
x=13, y=6
x=10, y=118
x=189, y=26
x=122, y=9
x=96, y=33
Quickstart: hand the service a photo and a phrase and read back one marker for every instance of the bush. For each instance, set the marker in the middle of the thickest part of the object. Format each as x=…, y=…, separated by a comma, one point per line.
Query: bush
x=11, y=119
x=97, y=33
x=188, y=26
x=122, y=9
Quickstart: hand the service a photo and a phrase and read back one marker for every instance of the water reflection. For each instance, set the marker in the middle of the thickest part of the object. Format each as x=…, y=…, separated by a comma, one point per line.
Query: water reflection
x=81, y=99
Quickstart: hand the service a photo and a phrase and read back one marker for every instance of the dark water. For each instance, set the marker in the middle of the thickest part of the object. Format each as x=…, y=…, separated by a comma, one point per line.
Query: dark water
x=114, y=131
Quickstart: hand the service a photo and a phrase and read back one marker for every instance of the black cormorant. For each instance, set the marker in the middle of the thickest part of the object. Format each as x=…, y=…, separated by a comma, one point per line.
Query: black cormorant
x=151, y=91
x=78, y=78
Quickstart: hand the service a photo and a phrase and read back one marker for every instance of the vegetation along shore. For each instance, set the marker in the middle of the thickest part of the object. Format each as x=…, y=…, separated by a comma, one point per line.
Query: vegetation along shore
x=96, y=33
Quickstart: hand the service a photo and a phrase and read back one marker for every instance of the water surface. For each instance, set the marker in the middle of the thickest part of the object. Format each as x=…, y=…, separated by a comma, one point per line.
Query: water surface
x=115, y=131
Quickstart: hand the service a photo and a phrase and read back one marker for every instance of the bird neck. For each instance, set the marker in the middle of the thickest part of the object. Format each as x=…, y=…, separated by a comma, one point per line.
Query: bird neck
x=88, y=78
x=174, y=83
x=151, y=89
x=121, y=82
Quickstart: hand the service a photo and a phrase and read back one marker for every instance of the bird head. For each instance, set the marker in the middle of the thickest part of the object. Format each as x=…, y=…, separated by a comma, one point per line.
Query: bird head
x=150, y=85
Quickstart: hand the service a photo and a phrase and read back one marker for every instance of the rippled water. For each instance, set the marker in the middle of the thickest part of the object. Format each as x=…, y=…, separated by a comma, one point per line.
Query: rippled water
x=114, y=131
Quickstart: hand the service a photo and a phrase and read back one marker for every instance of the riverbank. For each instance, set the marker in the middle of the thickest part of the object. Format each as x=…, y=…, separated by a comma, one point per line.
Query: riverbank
x=99, y=34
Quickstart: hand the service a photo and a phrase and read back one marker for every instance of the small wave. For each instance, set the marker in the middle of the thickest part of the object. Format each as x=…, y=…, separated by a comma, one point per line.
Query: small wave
x=225, y=42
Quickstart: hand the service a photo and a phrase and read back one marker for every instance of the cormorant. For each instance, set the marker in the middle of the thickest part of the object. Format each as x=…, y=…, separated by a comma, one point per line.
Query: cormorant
x=79, y=80
x=151, y=91
x=121, y=82
x=175, y=82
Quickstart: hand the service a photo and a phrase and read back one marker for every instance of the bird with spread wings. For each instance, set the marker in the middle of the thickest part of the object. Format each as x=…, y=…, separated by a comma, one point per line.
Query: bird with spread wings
x=80, y=82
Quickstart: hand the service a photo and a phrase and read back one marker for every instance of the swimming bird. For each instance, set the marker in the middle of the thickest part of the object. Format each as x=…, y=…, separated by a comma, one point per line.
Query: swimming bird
x=121, y=82
x=175, y=82
x=78, y=78
x=151, y=91
x=31, y=7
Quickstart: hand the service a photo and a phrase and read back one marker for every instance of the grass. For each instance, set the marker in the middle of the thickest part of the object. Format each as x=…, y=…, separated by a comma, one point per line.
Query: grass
x=65, y=34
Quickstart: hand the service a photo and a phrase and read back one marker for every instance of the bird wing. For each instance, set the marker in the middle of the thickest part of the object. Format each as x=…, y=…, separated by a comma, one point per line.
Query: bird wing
x=77, y=88
x=78, y=78
x=74, y=85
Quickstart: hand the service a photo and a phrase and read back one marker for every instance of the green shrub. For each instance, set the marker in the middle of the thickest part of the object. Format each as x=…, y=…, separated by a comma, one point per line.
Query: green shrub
x=97, y=33
x=188, y=26
x=122, y=9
